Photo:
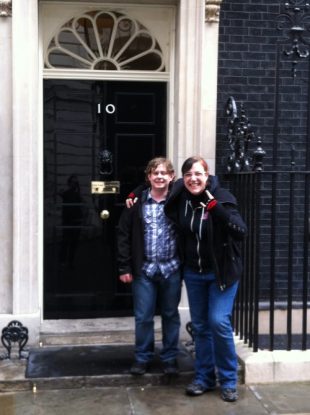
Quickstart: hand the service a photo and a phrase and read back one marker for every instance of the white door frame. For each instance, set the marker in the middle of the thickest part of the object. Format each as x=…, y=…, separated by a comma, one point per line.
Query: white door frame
x=192, y=115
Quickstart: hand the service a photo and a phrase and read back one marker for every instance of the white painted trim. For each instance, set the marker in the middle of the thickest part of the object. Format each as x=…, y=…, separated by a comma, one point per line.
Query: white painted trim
x=209, y=93
x=189, y=78
x=197, y=83
x=171, y=139
x=143, y=76
x=6, y=168
x=25, y=168
x=119, y=3
x=151, y=16
x=40, y=179
x=192, y=82
x=105, y=75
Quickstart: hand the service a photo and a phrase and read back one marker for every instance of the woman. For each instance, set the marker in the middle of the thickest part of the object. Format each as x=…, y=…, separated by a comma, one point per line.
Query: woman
x=210, y=227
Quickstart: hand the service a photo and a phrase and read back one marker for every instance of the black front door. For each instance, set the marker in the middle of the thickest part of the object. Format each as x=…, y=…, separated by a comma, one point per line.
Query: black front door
x=94, y=131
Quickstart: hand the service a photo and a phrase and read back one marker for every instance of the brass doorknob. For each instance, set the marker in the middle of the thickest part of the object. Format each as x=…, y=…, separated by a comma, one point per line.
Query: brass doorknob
x=104, y=214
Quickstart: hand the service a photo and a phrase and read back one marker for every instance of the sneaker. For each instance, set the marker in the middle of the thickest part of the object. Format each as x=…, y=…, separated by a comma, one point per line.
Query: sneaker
x=229, y=395
x=195, y=389
x=138, y=368
x=170, y=367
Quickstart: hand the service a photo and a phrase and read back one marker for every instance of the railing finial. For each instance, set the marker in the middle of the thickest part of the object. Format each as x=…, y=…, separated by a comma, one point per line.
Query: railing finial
x=258, y=156
x=240, y=134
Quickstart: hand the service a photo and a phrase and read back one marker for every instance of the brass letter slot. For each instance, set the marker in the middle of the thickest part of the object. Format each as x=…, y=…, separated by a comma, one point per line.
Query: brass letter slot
x=103, y=188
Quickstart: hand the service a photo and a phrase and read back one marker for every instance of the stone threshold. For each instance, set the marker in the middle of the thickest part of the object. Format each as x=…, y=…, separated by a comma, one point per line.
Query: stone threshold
x=273, y=367
x=20, y=383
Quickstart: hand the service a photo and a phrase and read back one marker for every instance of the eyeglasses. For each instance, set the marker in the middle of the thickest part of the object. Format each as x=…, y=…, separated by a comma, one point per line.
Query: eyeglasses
x=162, y=173
x=196, y=174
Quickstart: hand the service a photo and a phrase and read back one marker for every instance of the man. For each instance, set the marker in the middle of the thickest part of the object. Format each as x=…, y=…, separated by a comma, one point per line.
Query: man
x=147, y=258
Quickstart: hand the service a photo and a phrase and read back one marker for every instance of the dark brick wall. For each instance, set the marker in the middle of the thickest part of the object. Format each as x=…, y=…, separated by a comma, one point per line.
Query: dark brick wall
x=255, y=71
x=248, y=45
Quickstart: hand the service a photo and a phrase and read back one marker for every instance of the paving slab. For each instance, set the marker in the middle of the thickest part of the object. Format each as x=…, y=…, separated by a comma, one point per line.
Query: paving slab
x=284, y=398
x=272, y=399
x=164, y=401
x=147, y=400
x=108, y=401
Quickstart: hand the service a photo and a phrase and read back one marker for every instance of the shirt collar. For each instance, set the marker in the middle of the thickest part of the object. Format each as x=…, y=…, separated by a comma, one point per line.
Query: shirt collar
x=149, y=198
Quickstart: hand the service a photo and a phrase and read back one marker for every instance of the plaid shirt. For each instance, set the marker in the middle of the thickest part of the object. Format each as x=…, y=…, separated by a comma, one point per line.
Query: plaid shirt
x=159, y=240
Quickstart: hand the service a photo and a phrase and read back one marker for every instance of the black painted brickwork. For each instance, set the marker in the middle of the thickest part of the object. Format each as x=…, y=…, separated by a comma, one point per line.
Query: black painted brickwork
x=248, y=45
x=277, y=106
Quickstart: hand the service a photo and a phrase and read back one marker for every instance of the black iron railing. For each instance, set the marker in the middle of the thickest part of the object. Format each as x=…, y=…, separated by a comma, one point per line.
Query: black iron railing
x=275, y=282
x=271, y=309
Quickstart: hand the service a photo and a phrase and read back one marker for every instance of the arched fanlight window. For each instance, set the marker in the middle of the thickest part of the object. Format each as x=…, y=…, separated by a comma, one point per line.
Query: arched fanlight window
x=100, y=40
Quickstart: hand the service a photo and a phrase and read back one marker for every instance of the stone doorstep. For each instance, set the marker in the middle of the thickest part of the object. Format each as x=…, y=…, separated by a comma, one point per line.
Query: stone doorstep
x=87, y=338
x=12, y=378
x=273, y=367
x=255, y=368
x=76, y=382
x=96, y=337
x=12, y=371
x=20, y=383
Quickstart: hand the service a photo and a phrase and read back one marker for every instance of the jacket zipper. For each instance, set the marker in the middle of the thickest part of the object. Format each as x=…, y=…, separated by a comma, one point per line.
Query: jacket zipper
x=221, y=283
x=198, y=235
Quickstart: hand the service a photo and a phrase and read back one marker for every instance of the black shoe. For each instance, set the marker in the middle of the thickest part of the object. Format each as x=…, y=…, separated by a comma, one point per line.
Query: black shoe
x=138, y=368
x=170, y=367
x=229, y=395
x=195, y=389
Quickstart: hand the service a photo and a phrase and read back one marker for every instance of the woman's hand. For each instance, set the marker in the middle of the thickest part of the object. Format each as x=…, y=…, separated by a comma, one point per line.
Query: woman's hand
x=130, y=202
x=210, y=197
x=211, y=201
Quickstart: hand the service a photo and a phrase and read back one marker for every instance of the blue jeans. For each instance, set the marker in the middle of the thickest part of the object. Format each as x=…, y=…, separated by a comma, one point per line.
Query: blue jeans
x=211, y=310
x=146, y=291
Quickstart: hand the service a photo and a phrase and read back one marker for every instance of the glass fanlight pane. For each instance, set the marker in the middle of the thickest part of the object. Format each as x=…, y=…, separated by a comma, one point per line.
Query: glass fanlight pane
x=104, y=41
x=149, y=62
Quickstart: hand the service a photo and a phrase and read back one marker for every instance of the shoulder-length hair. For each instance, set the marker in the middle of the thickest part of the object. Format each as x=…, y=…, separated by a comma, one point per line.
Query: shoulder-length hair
x=188, y=164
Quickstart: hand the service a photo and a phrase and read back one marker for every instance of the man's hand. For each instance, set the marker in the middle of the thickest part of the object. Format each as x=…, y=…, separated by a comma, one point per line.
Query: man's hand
x=126, y=278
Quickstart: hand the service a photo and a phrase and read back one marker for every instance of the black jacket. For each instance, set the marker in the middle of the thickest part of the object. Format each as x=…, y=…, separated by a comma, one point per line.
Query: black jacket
x=224, y=230
x=130, y=239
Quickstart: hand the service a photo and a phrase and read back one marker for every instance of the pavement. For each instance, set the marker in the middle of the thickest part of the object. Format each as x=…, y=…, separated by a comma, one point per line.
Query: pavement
x=151, y=394
x=116, y=392
x=270, y=399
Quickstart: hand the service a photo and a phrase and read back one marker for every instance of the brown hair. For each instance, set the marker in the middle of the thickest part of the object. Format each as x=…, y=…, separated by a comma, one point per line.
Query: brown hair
x=188, y=163
x=155, y=162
